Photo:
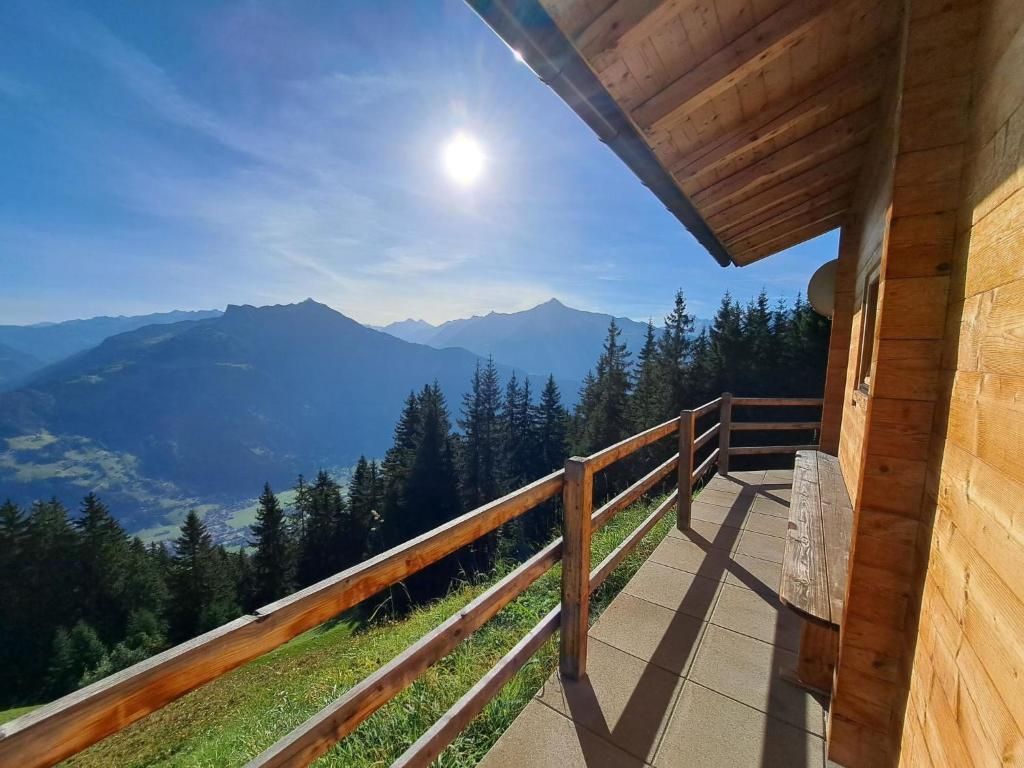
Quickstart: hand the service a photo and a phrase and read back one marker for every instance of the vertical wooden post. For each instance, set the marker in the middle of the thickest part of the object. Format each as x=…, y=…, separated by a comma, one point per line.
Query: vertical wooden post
x=684, y=481
x=578, y=500
x=725, y=422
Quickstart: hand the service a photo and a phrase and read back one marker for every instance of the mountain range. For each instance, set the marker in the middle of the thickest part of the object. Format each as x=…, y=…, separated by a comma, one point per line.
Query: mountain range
x=205, y=411
x=160, y=413
x=549, y=338
x=25, y=349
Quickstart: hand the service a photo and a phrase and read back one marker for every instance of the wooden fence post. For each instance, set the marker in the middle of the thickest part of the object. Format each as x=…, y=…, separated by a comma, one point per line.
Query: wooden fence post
x=684, y=482
x=724, y=428
x=578, y=501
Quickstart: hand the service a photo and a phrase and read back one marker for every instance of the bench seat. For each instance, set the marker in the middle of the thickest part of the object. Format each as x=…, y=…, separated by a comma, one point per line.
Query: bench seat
x=815, y=563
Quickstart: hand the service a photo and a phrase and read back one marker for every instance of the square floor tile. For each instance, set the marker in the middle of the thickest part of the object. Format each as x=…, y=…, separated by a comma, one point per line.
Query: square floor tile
x=748, y=670
x=759, y=545
x=542, y=738
x=622, y=699
x=718, y=515
x=713, y=731
x=684, y=554
x=728, y=499
x=674, y=589
x=766, y=505
x=754, y=573
x=701, y=531
x=650, y=632
x=759, y=615
x=769, y=525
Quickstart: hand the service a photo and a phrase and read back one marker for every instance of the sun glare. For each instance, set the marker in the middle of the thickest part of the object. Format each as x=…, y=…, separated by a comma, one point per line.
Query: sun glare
x=463, y=159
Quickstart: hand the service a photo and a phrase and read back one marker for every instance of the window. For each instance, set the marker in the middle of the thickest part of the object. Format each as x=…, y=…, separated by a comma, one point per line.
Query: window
x=867, y=337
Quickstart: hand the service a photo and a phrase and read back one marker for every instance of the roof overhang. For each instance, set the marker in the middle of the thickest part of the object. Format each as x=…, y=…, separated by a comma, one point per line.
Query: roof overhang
x=749, y=119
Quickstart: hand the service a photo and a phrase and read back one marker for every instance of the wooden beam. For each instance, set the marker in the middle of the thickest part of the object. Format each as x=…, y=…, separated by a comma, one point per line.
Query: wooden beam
x=798, y=189
x=812, y=150
x=684, y=470
x=764, y=450
x=853, y=85
x=724, y=431
x=760, y=223
x=794, y=237
x=825, y=211
x=747, y=54
x=611, y=454
x=577, y=503
x=604, y=514
x=761, y=426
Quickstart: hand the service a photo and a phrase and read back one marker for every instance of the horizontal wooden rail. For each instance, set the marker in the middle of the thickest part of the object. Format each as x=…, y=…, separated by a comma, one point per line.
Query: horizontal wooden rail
x=429, y=746
x=707, y=408
x=607, y=456
x=760, y=450
x=699, y=442
x=73, y=722
x=322, y=731
x=762, y=426
x=806, y=402
x=603, y=515
x=704, y=467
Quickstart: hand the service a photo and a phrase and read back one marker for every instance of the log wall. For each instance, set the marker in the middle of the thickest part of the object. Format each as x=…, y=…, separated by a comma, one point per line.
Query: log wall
x=966, y=688
x=931, y=668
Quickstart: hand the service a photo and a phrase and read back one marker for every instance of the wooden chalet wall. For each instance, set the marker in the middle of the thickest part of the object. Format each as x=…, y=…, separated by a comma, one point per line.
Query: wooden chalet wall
x=932, y=454
x=966, y=701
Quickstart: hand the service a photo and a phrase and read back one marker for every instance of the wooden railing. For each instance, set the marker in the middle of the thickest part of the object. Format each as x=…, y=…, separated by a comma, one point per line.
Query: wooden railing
x=72, y=723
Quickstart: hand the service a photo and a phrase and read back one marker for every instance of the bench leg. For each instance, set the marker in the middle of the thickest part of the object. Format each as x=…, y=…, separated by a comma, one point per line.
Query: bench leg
x=819, y=649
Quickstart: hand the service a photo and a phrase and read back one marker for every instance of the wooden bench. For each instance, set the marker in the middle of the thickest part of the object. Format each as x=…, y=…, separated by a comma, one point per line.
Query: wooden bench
x=815, y=563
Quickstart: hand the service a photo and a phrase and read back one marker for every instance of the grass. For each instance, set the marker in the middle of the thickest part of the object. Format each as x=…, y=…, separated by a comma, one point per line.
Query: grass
x=237, y=716
x=10, y=714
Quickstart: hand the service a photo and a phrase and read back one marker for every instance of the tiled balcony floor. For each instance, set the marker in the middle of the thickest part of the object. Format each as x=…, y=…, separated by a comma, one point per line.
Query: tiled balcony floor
x=683, y=666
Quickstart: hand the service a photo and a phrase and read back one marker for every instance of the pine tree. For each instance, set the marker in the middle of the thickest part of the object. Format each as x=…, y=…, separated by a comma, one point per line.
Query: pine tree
x=649, y=402
x=15, y=602
x=432, y=492
x=300, y=510
x=604, y=419
x=517, y=435
x=482, y=438
x=201, y=586
x=395, y=470
x=364, y=501
x=105, y=565
x=74, y=653
x=273, y=561
x=327, y=547
x=675, y=349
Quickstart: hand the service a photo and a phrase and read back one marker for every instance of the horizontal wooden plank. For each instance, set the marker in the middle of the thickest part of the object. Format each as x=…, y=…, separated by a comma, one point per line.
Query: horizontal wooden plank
x=704, y=466
x=762, y=450
x=611, y=454
x=318, y=734
x=429, y=746
x=702, y=439
x=70, y=724
x=707, y=408
x=763, y=426
x=748, y=54
x=808, y=402
x=804, y=585
x=605, y=513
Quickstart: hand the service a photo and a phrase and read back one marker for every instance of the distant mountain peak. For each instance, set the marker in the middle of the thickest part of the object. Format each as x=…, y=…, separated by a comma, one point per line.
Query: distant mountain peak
x=552, y=302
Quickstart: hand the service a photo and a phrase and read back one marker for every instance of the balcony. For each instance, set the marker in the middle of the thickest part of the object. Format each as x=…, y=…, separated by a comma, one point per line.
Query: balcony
x=684, y=666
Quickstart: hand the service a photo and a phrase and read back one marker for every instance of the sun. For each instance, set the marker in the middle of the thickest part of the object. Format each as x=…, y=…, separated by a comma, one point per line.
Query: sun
x=463, y=159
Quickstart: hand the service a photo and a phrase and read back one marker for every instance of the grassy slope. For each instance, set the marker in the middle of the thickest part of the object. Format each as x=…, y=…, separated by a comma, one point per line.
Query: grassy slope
x=242, y=713
x=10, y=714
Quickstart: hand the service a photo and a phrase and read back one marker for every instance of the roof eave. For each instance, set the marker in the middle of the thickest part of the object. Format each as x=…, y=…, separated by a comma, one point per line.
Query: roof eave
x=530, y=31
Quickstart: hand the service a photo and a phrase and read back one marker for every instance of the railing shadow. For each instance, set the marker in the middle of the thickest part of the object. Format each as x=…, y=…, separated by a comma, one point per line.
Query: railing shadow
x=638, y=726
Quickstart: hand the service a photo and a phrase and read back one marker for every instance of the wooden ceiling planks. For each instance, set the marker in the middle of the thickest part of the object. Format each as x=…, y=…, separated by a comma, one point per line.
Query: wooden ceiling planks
x=759, y=109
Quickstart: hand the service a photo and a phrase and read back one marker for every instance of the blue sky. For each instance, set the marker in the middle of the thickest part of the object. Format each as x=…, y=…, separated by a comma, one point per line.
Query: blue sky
x=194, y=154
